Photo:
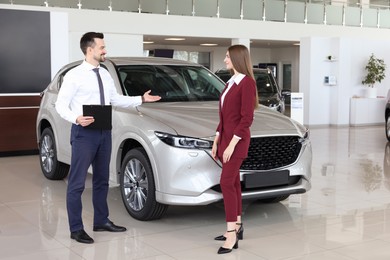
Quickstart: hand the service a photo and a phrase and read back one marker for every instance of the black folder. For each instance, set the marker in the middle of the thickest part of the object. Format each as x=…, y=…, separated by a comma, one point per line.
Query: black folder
x=101, y=114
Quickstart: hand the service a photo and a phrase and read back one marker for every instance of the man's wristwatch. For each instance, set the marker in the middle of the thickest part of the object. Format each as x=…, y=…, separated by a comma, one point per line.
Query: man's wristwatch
x=143, y=99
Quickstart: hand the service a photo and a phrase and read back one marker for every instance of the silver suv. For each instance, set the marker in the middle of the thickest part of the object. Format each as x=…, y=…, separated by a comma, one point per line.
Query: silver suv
x=161, y=152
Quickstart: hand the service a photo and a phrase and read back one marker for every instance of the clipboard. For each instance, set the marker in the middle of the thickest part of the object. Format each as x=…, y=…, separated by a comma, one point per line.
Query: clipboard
x=101, y=114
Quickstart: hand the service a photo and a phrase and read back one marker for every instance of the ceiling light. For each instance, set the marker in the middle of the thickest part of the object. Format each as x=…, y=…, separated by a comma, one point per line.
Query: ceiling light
x=174, y=39
x=148, y=42
x=208, y=44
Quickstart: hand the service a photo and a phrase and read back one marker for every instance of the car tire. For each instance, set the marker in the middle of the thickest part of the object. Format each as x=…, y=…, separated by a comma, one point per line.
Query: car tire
x=387, y=127
x=275, y=199
x=52, y=169
x=137, y=187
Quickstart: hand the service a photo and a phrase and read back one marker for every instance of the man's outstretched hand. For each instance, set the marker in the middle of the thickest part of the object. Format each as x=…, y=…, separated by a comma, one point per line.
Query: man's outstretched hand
x=150, y=98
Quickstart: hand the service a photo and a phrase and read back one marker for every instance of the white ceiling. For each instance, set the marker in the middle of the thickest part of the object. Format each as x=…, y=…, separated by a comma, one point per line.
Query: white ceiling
x=222, y=42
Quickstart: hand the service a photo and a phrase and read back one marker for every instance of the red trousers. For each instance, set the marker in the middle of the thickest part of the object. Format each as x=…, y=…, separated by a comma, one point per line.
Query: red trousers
x=231, y=188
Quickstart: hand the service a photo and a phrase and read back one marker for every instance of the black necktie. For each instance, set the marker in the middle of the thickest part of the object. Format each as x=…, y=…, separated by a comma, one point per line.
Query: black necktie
x=96, y=70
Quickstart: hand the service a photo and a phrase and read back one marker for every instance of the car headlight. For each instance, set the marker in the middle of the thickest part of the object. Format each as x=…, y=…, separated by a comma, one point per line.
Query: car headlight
x=184, y=141
x=305, y=137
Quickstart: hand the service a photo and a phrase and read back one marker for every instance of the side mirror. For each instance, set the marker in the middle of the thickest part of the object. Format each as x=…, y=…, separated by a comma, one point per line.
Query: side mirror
x=286, y=93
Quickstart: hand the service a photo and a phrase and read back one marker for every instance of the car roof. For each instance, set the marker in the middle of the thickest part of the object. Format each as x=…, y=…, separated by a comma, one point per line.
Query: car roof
x=120, y=61
x=255, y=70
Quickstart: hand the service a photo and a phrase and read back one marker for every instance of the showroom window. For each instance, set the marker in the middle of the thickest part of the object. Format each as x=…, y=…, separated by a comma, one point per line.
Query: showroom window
x=202, y=58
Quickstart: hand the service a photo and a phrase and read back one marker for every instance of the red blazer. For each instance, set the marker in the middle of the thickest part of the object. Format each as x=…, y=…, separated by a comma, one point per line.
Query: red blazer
x=236, y=117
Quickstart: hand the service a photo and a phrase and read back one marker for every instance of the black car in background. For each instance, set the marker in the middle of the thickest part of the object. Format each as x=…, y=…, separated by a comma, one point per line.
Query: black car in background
x=270, y=94
x=387, y=118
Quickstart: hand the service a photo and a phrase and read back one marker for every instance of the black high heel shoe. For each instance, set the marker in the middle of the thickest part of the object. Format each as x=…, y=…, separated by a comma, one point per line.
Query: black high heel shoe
x=224, y=250
x=240, y=233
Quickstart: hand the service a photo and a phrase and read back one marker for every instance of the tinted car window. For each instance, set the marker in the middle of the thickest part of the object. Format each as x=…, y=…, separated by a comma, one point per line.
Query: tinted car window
x=265, y=83
x=172, y=83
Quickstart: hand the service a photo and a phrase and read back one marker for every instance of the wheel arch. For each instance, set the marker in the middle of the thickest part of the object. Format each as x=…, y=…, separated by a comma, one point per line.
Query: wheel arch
x=387, y=115
x=43, y=124
x=51, y=166
x=129, y=144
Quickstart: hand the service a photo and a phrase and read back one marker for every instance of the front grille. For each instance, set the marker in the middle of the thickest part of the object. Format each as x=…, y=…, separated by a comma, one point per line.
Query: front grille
x=267, y=153
x=292, y=180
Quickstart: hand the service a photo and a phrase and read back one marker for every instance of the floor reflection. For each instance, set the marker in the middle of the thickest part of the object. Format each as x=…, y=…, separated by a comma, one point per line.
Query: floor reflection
x=48, y=212
x=345, y=216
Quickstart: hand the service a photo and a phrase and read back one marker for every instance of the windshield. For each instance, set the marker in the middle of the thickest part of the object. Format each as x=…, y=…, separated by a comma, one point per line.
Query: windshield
x=172, y=83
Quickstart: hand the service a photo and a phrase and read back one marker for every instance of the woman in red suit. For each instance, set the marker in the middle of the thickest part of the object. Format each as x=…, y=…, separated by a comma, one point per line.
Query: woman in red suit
x=238, y=101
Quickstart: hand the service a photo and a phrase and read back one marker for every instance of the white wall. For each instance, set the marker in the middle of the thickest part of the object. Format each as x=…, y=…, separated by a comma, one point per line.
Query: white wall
x=324, y=104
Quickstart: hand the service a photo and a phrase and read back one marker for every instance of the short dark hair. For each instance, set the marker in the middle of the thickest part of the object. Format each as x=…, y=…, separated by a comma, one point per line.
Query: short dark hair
x=88, y=40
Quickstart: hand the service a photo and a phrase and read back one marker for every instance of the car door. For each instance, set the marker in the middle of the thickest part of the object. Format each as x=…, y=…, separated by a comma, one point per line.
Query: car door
x=61, y=127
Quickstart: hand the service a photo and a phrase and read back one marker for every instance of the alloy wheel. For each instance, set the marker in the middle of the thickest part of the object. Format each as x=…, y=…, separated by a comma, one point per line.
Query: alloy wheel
x=47, y=153
x=135, y=184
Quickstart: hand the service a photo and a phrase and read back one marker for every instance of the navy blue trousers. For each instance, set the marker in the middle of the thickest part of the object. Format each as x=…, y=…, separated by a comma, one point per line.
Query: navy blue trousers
x=89, y=147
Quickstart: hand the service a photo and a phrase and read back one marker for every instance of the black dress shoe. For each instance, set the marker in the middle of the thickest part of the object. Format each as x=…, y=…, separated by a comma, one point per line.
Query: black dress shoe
x=224, y=250
x=109, y=226
x=220, y=238
x=81, y=236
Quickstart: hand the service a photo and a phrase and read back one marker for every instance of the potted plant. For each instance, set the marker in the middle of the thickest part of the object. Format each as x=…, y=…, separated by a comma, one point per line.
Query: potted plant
x=375, y=73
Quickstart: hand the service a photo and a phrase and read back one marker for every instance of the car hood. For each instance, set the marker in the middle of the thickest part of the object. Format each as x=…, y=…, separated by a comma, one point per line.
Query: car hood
x=200, y=119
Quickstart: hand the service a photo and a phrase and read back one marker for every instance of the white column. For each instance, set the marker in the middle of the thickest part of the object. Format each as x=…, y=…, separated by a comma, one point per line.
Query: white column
x=59, y=41
x=241, y=41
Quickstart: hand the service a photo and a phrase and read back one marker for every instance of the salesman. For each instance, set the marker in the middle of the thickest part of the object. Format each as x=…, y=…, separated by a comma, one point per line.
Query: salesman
x=88, y=84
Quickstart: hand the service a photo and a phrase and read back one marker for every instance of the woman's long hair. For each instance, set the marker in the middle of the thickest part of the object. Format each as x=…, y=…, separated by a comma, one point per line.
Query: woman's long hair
x=241, y=61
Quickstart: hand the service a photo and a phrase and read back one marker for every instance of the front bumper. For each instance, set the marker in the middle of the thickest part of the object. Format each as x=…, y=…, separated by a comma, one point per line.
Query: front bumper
x=211, y=196
x=191, y=177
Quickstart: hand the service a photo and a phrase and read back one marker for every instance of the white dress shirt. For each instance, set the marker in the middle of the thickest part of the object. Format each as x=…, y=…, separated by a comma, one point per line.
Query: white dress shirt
x=80, y=87
x=234, y=79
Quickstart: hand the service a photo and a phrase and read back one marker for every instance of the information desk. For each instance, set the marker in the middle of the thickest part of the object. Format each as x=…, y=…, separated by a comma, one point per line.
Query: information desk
x=367, y=111
x=18, y=114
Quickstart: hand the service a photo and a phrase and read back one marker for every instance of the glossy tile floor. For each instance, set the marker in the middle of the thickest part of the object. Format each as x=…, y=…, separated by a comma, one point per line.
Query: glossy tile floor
x=345, y=216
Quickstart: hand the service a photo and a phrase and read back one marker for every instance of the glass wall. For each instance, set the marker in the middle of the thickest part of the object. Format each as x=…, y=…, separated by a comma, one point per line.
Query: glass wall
x=372, y=13
x=202, y=58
